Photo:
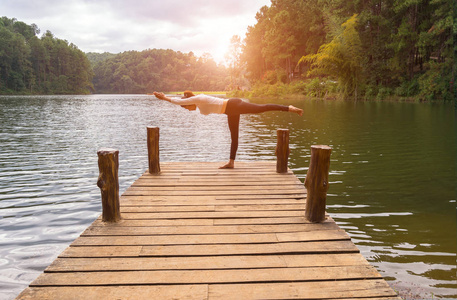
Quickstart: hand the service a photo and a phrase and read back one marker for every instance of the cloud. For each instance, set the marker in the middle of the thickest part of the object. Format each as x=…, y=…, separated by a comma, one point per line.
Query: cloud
x=120, y=25
x=185, y=13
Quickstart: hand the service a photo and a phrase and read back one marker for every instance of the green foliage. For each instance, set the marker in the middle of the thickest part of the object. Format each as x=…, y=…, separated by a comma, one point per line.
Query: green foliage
x=314, y=88
x=270, y=77
x=282, y=34
x=45, y=65
x=407, y=88
x=95, y=58
x=384, y=93
x=158, y=70
x=273, y=77
x=402, y=48
x=434, y=84
x=341, y=58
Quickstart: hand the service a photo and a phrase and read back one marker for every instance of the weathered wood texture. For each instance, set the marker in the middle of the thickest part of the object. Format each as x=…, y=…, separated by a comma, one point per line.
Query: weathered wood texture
x=316, y=183
x=196, y=232
x=153, y=149
x=282, y=150
x=108, y=182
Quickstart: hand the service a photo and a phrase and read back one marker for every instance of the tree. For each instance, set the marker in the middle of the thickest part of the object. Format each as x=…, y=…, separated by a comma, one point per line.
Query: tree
x=281, y=42
x=284, y=32
x=342, y=58
x=252, y=56
x=435, y=46
x=29, y=64
x=233, y=58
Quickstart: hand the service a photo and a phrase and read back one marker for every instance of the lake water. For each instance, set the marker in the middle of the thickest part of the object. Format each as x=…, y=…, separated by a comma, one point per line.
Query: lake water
x=393, y=174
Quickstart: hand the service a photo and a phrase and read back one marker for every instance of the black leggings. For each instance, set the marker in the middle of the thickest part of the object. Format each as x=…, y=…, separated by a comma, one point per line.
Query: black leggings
x=236, y=107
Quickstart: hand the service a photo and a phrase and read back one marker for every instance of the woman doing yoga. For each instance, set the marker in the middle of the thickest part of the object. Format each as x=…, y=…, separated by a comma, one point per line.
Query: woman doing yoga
x=233, y=108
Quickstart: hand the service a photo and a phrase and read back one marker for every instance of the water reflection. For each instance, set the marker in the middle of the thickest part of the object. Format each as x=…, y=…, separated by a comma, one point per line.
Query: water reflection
x=392, y=188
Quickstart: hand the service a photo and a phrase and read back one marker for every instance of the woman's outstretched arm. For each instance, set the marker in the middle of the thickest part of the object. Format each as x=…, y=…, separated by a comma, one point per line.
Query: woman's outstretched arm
x=187, y=101
x=161, y=96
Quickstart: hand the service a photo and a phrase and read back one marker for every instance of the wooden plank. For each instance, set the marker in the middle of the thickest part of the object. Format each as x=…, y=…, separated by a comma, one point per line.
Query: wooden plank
x=183, y=176
x=262, y=196
x=256, y=193
x=159, y=222
x=243, y=249
x=167, y=198
x=374, y=298
x=221, y=189
x=169, y=208
x=167, y=263
x=208, y=222
x=206, y=276
x=230, y=229
x=176, y=240
x=303, y=290
x=212, y=215
x=214, y=166
x=108, y=251
x=260, y=221
x=216, y=174
x=205, y=262
x=211, y=250
x=321, y=235
x=220, y=208
x=220, y=180
x=238, y=172
x=204, y=199
x=261, y=206
x=249, y=165
x=140, y=203
x=137, y=292
x=327, y=235
x=324, y=260
x=213, y=182
x=215, y=169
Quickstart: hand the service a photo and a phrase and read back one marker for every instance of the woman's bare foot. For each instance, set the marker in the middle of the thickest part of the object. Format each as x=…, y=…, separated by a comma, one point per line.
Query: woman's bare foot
x=296, y=110
x=229, y=165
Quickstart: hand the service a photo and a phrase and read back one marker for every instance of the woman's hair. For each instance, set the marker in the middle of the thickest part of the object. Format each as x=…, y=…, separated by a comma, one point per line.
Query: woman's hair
x=188, y=94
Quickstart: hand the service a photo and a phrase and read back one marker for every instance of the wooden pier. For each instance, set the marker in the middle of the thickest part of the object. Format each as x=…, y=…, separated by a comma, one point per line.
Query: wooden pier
x=197, y=232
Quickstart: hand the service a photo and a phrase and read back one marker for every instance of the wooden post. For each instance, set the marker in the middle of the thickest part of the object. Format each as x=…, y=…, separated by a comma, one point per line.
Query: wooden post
x=282, y=150
x=316, y=183
x=153, y=150
x=108, y=182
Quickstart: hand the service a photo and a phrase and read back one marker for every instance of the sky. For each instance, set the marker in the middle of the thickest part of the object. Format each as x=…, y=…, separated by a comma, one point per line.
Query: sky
x=200, y=26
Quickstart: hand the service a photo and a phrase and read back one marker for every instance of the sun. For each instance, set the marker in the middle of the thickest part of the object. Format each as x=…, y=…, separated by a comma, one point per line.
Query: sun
x=219, y=53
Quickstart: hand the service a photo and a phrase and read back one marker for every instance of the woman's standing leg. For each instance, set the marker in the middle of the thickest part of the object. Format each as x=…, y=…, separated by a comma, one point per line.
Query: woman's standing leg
x=234, y=125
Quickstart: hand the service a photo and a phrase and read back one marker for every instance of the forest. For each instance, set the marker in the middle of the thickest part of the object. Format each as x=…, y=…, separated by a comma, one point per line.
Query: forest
x=46, y=65
x=134, y=72
x=360, y=49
